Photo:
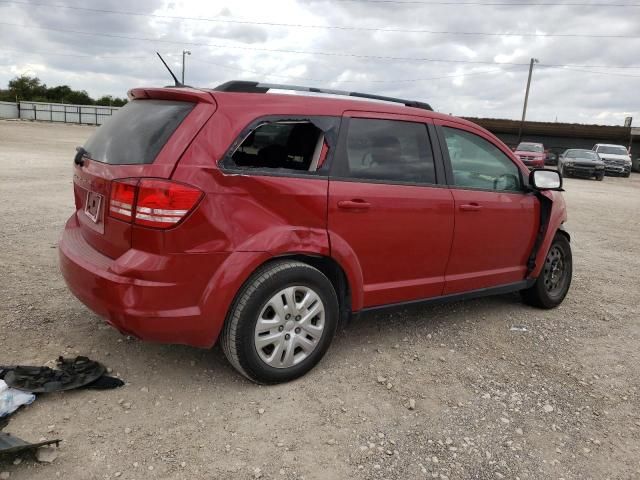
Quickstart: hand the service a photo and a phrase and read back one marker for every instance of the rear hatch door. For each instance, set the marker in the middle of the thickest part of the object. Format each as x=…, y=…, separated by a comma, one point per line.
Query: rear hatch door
x=145, y=138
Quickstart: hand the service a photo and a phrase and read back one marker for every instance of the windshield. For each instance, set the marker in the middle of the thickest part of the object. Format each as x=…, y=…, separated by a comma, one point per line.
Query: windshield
x=530, y=147
x=612, y=150
x=137, y=132
x=586, y=154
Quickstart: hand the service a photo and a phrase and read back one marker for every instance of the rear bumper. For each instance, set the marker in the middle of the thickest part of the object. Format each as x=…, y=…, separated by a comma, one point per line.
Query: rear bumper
x=127, y=292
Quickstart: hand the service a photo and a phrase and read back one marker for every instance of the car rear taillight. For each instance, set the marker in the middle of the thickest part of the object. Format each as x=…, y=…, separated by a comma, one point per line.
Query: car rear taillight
x=123, y=196
x=152, y=202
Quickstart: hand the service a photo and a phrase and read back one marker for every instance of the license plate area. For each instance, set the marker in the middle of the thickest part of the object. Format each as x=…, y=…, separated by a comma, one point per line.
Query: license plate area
x=92, y=206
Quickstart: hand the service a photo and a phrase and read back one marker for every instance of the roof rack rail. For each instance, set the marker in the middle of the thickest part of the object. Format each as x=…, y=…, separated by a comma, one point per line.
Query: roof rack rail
x=245, y=86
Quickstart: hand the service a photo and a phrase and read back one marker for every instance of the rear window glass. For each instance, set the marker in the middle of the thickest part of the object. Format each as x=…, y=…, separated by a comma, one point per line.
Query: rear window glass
x=137, y=132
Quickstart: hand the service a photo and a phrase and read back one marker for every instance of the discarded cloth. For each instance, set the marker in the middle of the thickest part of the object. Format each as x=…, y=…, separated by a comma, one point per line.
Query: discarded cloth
x=12, y=399
x=71, y=373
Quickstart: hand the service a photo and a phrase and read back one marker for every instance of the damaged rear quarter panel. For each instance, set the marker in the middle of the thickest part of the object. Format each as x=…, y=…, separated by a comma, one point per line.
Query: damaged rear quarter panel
x=276, y=214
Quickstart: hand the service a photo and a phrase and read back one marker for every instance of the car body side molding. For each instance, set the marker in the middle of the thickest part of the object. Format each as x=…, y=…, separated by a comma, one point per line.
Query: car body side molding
x=456, y=297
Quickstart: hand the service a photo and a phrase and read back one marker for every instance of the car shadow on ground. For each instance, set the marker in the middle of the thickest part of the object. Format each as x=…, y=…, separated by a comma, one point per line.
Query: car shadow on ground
x=380, y=328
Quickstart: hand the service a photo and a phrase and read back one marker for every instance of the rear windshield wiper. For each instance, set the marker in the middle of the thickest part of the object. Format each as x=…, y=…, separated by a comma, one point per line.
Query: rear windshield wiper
x=79, y=158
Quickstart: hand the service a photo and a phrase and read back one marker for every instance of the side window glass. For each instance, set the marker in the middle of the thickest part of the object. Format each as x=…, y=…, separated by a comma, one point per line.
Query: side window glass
x=386, y=150
x=292, y=145
x=477, y=163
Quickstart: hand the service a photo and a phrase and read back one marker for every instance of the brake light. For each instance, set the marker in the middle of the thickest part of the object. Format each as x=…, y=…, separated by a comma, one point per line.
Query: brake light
x=123, y=196
x=162, y=203
x=152, y=202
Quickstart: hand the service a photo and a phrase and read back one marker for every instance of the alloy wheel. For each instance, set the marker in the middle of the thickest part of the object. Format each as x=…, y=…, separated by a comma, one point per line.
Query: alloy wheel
x=289, y=326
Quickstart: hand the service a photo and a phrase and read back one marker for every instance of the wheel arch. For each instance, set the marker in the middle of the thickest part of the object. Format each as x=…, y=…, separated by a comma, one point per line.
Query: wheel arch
x=555, y=225
x=224, y=288
x=562, y=230
x=333, y=271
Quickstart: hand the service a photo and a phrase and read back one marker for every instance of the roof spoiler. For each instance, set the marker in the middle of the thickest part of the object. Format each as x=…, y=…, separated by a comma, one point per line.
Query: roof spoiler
x=244, y=86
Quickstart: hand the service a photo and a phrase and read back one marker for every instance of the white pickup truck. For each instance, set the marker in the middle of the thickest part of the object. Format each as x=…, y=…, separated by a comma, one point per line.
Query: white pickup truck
x=616, y=158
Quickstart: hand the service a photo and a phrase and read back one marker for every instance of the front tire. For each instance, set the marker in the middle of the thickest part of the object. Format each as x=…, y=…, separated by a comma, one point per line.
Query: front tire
x=554, y=280
x=281, y=323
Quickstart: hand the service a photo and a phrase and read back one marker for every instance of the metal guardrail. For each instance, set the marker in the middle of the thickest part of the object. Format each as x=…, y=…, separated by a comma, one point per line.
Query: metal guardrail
x=57, y=112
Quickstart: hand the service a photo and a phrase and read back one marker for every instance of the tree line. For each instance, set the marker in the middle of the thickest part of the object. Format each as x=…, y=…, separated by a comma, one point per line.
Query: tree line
x=32, y=89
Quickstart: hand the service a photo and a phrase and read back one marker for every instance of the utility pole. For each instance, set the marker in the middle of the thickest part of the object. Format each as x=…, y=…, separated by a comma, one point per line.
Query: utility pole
x=184, y=52
x=526, y=98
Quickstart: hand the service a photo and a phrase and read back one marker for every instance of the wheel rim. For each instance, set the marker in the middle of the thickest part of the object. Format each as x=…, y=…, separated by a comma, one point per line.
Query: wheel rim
x=289, y=327
x=555, y=271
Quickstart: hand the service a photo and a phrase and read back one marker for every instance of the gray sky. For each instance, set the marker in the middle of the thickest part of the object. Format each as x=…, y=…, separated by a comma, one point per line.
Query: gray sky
x=477, y=78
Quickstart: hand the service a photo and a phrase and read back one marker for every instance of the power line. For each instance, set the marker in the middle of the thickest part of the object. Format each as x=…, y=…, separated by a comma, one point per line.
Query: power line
x=590, y=71
x=81, y=55
x=410, y=80
x=494, y=4
x=320, y=27
x=263, y=74
x=320, y=80
x=297, y=52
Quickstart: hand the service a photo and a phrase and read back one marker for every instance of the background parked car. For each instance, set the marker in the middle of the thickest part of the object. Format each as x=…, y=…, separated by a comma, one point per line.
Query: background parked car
x=617, y=160
x=531, y=154
x=551, y=157
x=581, y=163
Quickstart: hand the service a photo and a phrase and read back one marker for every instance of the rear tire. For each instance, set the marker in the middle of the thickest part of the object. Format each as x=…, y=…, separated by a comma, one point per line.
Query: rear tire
x=281, y=323
x=554, y=280
x=600, y=177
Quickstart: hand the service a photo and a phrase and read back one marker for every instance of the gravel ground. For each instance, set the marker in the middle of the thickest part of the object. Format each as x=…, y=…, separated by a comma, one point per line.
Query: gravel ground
x=437, y=392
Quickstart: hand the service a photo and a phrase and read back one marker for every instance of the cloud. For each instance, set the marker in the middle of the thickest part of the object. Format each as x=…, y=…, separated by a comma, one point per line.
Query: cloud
x=222, y=51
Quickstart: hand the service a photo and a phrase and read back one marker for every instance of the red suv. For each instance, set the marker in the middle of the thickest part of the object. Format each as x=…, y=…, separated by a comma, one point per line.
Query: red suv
x=267, y=219
x=532, y=155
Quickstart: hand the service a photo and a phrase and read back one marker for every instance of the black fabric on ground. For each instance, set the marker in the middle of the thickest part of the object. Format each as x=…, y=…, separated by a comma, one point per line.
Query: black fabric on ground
x=71, y=373
x=105, y=382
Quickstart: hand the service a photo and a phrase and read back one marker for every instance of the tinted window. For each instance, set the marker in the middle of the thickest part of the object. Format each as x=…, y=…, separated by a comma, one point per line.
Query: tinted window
x=387, y=150
x=530, y=147
x=477, y=163
x=137, y=132
x=612, y=150
x=586, y=154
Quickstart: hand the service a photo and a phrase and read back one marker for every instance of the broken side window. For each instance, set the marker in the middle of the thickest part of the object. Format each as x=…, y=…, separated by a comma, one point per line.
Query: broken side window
x=300, y=145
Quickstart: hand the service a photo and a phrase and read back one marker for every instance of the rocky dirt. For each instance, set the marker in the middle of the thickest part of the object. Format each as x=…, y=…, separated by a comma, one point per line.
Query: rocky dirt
x=437, y=392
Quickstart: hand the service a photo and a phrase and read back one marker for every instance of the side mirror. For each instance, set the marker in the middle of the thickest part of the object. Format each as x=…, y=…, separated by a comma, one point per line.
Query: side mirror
x=545, y=179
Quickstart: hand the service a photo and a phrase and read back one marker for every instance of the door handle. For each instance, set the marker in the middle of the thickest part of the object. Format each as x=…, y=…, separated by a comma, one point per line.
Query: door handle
x=355, y=204
x=470, y=207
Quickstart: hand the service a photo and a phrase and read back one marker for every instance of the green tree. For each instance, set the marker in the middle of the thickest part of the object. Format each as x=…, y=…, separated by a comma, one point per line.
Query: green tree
x=79, y=97
x=60, y=93
x=25, y=87
x=119, y=102
x=29, y=88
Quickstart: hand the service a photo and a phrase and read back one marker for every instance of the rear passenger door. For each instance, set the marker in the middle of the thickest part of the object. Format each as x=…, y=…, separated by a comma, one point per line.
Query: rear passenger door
x=496, y=218
x=387, y=209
